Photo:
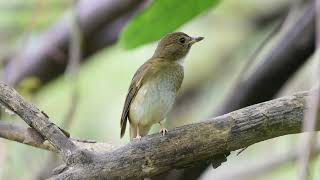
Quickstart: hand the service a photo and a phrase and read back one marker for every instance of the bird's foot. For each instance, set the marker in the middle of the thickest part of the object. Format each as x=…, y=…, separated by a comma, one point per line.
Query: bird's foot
x=137, y=137
x=163, y=131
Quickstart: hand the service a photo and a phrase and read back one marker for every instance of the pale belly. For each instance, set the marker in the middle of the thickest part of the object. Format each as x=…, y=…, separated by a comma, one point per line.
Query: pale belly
x=152, y=103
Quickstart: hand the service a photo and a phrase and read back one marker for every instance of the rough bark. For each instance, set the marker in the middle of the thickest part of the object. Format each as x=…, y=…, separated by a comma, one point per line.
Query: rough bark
x=195, y=143
x=182, y=147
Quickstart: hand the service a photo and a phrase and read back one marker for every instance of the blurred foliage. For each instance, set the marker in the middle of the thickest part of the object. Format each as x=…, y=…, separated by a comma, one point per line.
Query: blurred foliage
x=37, y=13
x=28, y=86
x=160, y=18
x=104, y=79
x=21, y=17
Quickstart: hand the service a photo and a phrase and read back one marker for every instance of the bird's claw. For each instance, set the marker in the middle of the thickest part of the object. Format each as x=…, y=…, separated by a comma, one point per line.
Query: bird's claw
x=137, y=137
x=163, y=131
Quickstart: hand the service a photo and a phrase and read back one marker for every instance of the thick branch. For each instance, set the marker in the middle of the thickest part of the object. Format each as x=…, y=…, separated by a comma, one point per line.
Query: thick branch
x=195, y=143
x=182, y=147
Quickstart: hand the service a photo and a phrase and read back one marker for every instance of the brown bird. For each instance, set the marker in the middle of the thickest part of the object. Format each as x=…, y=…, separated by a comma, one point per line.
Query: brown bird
x=154, y=86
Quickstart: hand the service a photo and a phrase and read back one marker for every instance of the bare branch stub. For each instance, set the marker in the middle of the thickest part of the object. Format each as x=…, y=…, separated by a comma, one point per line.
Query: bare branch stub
x=36, y=119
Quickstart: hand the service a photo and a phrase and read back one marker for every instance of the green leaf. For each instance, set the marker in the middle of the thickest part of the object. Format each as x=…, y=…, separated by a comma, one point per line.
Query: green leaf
x=160, y=18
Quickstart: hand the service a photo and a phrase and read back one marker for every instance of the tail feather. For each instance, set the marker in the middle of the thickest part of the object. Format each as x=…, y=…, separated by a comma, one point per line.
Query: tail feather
x=123, y=128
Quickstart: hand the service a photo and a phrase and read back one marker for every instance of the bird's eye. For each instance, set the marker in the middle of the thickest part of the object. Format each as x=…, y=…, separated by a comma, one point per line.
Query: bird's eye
x=182, y=40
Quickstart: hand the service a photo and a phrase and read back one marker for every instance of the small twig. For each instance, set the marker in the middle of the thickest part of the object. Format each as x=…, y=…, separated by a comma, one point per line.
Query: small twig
x=292, y=49
x=254, y=56
x=74, y=45
x=71, y=74
x=311, y=115
x=73, y=66
x=74, y=101
x=282, y=25
x=26, y=135
x=241, y=150
x=22, y=134
x=264, y=166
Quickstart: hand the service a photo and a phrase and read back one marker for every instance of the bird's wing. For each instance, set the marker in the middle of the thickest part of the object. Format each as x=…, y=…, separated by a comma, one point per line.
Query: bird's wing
x=135, y=85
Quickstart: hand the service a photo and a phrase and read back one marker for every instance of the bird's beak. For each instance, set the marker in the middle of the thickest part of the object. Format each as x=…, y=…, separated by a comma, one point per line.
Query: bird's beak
x=195, y=39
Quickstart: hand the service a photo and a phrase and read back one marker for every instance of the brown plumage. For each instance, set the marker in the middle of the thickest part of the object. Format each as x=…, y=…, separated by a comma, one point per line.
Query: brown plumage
x=155, y=84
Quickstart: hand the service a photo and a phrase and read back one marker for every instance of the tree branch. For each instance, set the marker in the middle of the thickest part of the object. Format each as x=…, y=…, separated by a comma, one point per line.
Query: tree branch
x=182, y=147
x=23, y=134
x=195, y=143
x=36, y=119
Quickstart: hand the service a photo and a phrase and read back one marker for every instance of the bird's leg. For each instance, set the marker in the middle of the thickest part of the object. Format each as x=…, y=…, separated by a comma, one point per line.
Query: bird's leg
x=163, y=130
x=138, y=134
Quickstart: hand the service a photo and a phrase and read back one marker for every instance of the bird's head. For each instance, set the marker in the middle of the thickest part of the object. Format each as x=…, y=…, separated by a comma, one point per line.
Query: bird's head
x=175, y=46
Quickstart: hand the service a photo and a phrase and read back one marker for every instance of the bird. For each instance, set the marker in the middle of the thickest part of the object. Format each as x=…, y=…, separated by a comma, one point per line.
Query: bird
x=154, y=86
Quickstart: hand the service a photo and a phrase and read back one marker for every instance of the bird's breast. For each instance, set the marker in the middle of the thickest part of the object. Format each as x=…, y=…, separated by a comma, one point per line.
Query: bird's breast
x=155, y=99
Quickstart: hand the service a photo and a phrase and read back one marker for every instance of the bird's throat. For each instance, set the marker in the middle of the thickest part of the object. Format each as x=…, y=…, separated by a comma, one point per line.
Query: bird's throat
x=181, y=61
